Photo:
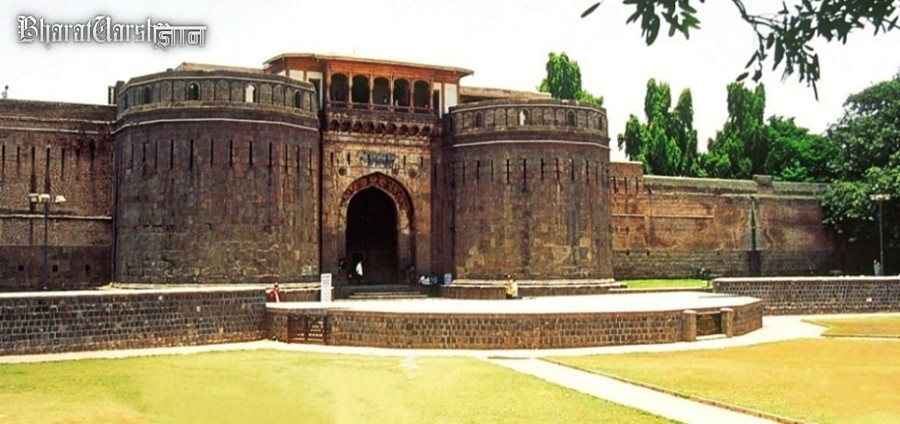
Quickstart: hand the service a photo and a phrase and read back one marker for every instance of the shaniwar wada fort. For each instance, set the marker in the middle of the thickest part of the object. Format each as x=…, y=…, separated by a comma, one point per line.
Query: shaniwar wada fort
x=197, y=186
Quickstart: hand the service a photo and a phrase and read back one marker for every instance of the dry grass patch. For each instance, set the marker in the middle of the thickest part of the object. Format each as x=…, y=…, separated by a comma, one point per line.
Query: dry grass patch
x=268, y=386
x=876, y=326
x=825, y=381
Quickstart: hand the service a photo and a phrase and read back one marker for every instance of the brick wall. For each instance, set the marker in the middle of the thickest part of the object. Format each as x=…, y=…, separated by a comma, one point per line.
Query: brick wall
x=57, y=322
x=61, y=149
x=817, y=295
x=502, y=331
x=672, y=227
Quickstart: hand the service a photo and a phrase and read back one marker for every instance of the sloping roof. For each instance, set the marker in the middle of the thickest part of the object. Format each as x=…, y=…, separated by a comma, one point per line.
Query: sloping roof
x=315, y=56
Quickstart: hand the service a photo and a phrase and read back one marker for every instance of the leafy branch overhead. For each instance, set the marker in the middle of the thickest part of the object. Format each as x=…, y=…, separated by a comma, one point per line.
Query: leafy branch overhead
x=786, y=35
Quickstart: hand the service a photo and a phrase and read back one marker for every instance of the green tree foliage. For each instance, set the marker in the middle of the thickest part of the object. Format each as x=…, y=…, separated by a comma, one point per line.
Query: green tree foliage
x=869, y=137
x=786, y=35
x=796, y=155
x=563, y=80
x=667, y=143
x=740, y=148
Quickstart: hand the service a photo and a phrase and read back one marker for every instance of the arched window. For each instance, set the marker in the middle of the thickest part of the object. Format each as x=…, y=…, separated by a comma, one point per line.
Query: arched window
x=147, y=95
x=479, y=120
x=421, y=94
x=298, y=100
x=193, y=91
x=570, y=118
x=381, y=91
x=401, y=92
x=340, y=88
x=250, y=94
x=523, y=117
x=360, y=91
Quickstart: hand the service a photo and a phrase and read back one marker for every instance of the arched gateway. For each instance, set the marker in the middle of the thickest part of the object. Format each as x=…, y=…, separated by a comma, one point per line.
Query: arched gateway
x=377, y=216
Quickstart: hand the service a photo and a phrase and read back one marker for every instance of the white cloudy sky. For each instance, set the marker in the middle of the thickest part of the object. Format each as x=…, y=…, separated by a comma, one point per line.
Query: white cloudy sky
x=505, y=42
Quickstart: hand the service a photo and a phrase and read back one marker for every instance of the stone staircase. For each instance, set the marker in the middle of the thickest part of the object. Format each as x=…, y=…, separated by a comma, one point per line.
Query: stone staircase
x=385, y=292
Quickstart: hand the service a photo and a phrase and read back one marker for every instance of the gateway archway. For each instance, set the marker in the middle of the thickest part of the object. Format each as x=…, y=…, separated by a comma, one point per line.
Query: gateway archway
x=372, y=238
x=379, y=239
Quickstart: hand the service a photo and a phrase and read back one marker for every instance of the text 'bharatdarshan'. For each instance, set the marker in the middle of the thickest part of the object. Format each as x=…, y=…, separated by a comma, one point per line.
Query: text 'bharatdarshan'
x=101, y=29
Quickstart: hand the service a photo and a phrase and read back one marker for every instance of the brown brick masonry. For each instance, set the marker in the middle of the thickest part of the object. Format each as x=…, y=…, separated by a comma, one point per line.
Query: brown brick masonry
x=500, y=331
x=56, y=322
x=817, y=295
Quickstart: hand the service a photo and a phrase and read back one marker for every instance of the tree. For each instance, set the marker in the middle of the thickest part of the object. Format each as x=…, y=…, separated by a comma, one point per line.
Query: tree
x=563, y=80
x=667, y=143
x=787, y=35
x=869, y=137
x=796, y=155
x=740, y=148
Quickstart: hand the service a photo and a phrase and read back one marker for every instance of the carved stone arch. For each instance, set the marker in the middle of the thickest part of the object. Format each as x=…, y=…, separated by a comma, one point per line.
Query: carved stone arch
x=345, y=126
x=392, y=129
x=426, y=130
x=370, y=127
x=357, y=126
x=393, y=188
x=381, y=128
x=414, y=130
x=334, y=125
x=402, y=200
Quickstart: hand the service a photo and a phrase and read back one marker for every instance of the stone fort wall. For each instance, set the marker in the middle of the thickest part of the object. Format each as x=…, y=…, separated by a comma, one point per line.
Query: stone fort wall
x=672, y=227
x=36, y=323
x=61, y=149
x=817, y=295
x=217, y=177
x=524, y=191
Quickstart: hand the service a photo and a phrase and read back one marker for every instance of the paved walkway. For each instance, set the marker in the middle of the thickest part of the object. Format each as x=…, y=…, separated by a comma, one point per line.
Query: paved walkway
x=775, y=328
x=654, y=402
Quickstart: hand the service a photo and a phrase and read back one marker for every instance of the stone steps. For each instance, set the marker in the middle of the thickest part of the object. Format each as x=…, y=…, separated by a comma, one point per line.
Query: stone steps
x=391, y=295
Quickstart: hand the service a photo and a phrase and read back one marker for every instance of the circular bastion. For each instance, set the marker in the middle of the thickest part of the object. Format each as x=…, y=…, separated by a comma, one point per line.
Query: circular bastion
x=528, y=190
x=216, y=177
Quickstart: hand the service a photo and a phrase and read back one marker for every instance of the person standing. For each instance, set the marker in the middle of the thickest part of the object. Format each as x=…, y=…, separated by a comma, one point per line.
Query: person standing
x=5, y=91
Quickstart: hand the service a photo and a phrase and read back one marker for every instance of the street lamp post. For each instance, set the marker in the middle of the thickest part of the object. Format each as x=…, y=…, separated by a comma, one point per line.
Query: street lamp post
x=880, y=199
x=45, y=200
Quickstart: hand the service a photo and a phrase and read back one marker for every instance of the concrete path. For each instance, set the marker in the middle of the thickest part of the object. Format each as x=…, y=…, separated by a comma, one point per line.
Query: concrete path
x=654, y=402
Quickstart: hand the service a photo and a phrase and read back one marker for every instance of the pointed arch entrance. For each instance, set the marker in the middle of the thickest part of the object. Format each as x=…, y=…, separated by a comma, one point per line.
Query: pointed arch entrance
x=377, y=217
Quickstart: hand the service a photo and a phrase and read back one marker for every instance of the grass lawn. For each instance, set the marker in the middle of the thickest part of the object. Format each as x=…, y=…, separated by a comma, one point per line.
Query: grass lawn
x=270, y=386
x=877, y=326
x=665, y=284
x=825, y=381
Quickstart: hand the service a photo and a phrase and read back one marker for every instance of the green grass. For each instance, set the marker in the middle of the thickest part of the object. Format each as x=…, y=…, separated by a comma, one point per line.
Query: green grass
x=880, y=326
x=270, y=386
x=665, y=284
x=825, y=381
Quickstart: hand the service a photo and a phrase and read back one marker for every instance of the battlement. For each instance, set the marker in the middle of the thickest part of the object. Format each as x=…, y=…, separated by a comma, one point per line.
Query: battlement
x=202, y=88
x=528, y=119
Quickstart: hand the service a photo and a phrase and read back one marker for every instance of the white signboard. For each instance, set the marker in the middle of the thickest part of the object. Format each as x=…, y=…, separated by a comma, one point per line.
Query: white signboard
x=326, y=288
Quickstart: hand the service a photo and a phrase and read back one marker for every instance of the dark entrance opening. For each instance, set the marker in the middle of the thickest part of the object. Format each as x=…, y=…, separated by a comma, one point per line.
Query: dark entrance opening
x=372, y=238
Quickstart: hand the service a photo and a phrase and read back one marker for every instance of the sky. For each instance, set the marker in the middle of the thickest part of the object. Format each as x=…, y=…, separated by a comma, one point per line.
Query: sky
x=505, y=43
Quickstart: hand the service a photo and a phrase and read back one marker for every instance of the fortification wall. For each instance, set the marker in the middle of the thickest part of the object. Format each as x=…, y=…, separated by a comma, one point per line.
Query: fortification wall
x=817, y=295
x=36, y=323
x=61, y=149
x=217, y=179
x=673, y=227
x=525, y=191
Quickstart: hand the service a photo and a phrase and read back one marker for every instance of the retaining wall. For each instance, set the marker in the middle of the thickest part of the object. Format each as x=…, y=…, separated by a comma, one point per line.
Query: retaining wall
x=32, y=323
x=817, y=295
